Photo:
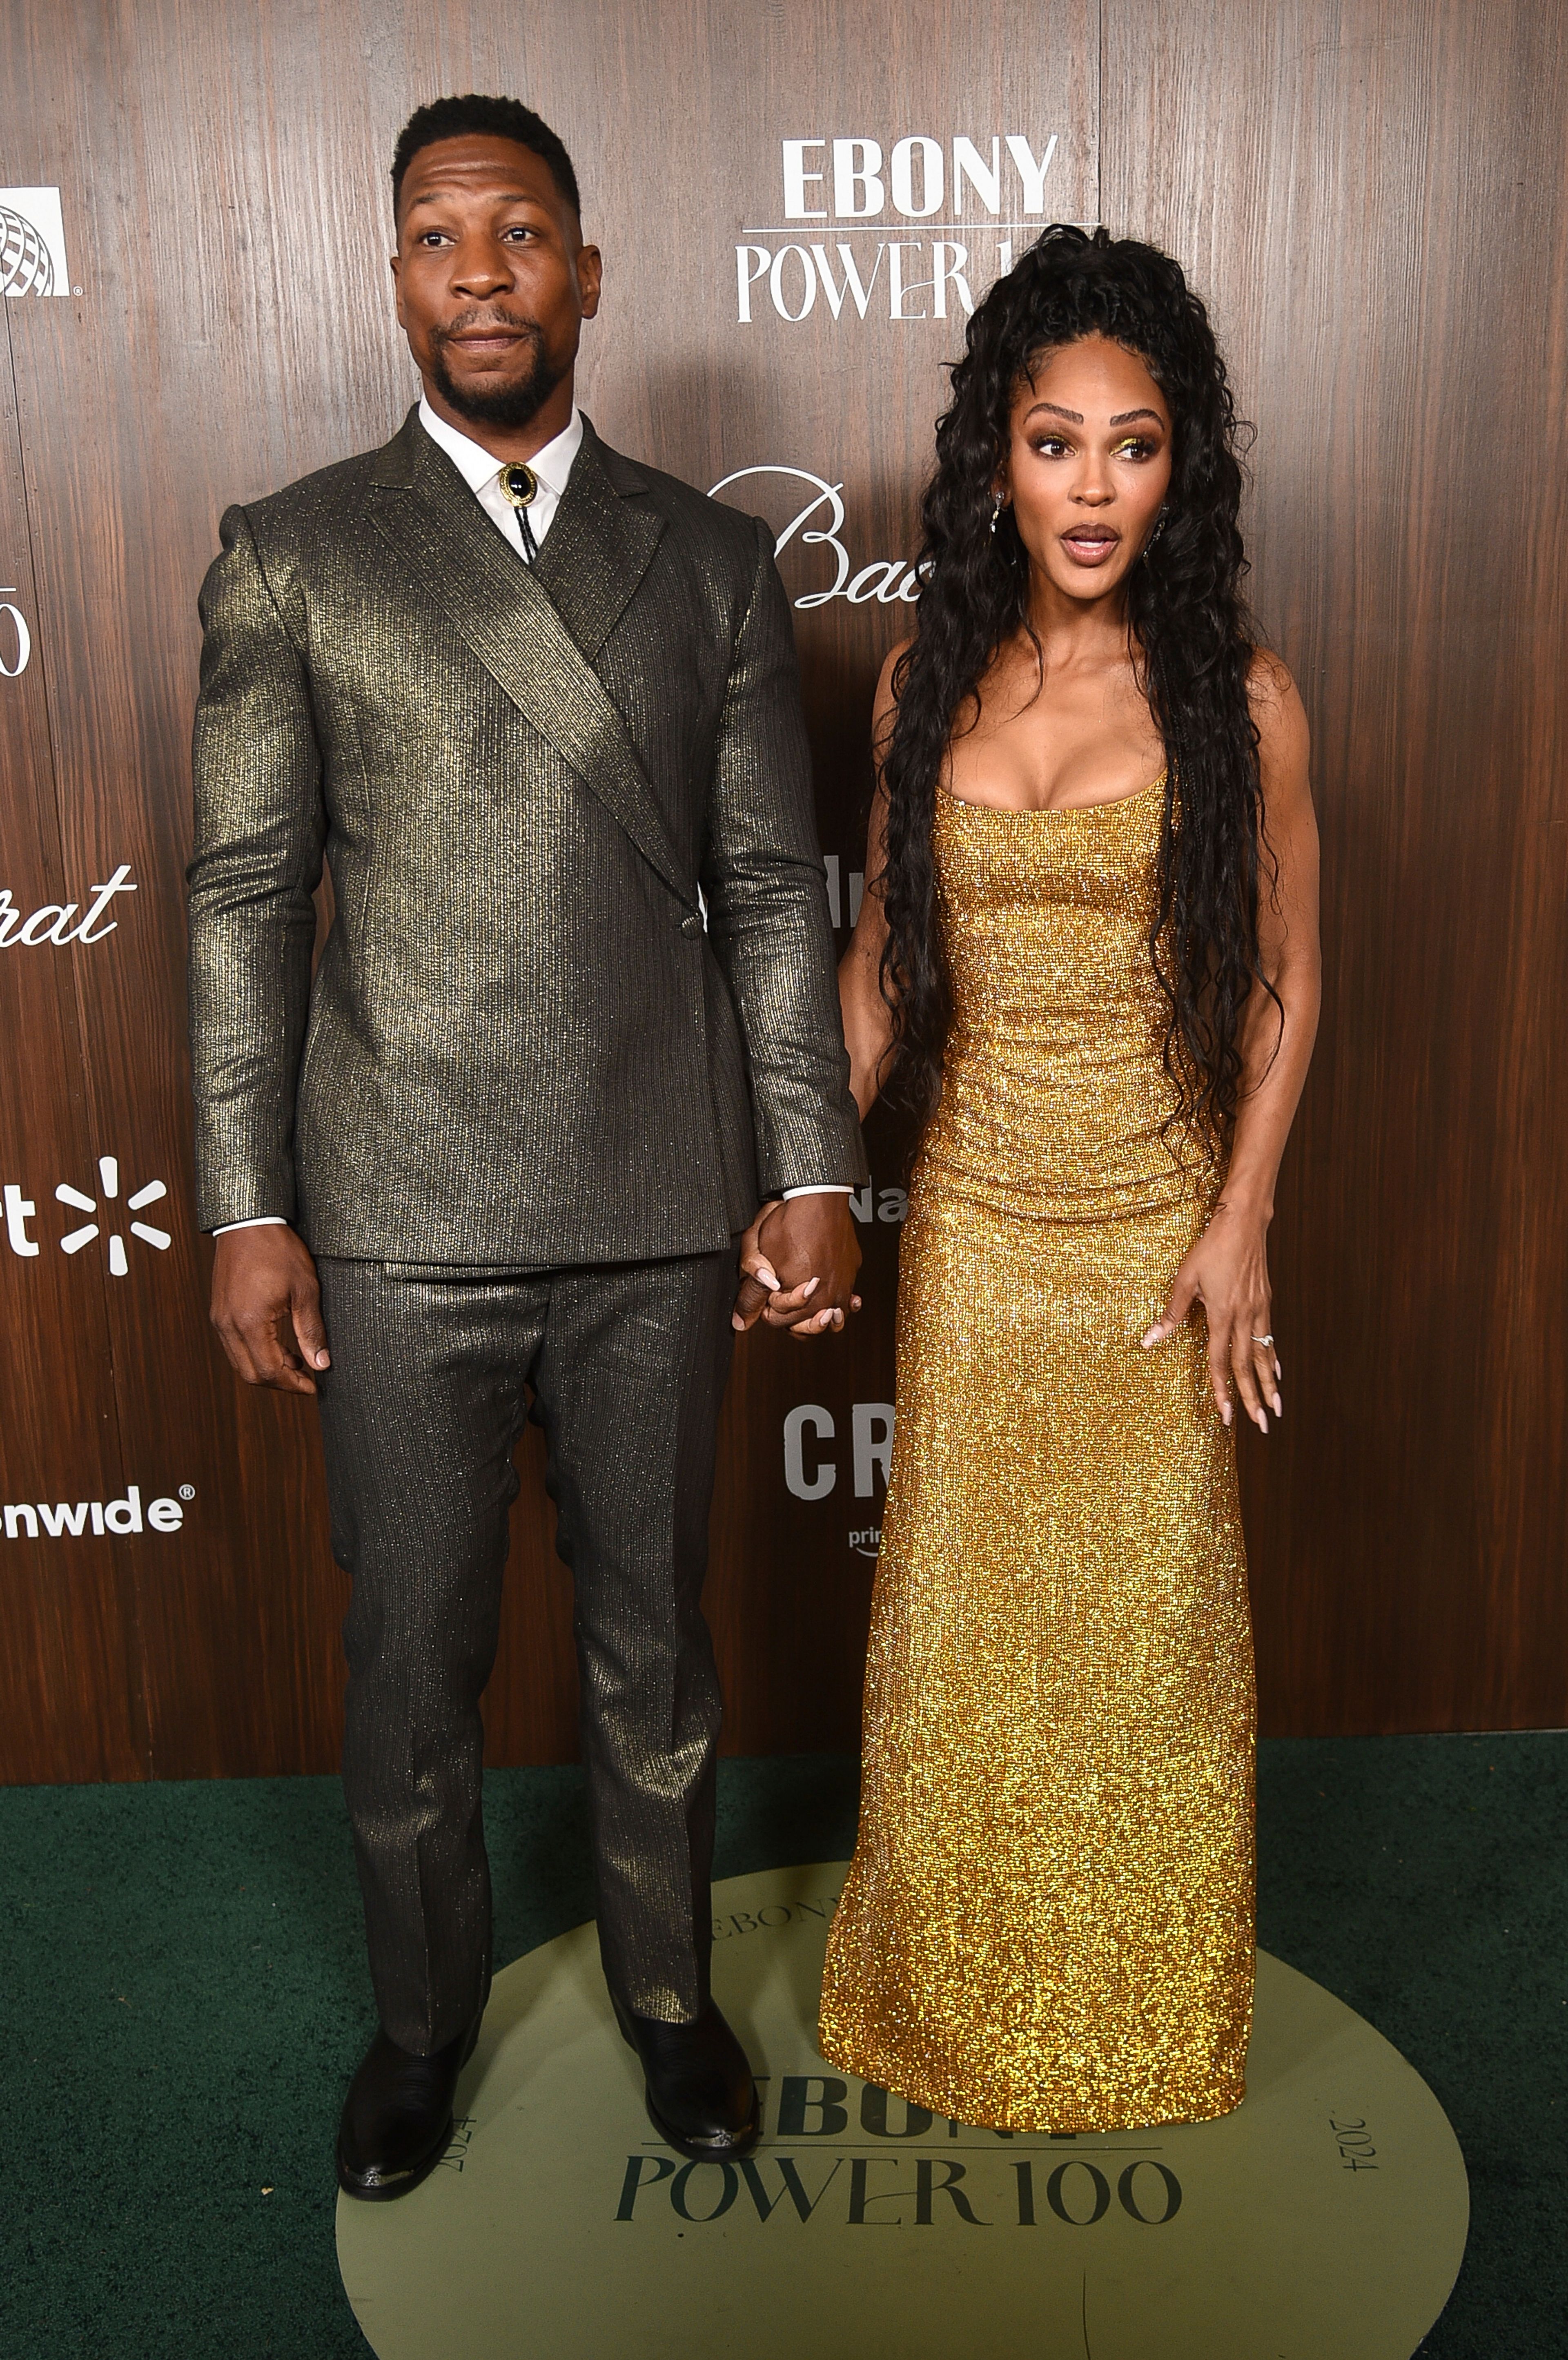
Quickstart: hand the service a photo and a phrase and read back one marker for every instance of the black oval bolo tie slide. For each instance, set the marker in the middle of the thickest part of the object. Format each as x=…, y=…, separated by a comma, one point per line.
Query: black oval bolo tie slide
x=518, y=486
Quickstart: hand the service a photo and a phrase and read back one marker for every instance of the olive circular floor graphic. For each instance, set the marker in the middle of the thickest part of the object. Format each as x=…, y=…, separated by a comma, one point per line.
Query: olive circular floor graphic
x=1328, y=2214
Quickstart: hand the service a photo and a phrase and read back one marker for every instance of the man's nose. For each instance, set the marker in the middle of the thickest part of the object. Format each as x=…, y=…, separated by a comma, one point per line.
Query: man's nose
x=481, y=268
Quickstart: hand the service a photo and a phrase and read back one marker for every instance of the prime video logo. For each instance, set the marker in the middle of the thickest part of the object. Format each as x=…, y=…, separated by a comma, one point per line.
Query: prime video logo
x=35, y=1519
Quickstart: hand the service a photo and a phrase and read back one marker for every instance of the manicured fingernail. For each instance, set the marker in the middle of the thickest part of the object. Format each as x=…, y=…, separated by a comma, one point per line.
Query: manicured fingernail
x=1150, y=1337
x=1262, y=1422
x=1279, y=1406
x=1224, y=1411
x=764, y=1272
x=736, y=1321
x=809, y=1288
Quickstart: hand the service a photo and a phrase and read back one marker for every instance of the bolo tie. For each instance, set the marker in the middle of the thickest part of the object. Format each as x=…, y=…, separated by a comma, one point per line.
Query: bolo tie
x=518, y=486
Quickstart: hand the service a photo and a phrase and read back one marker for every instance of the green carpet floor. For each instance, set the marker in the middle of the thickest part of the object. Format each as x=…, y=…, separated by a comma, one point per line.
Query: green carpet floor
x=183, y=1998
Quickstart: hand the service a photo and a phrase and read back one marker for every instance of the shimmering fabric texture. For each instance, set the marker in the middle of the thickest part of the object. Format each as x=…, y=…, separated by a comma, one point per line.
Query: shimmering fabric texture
x=578, y=1002
x=1049, y=1921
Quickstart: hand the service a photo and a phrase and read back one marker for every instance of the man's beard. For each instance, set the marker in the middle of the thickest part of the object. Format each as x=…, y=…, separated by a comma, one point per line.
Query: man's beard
x=508, y=406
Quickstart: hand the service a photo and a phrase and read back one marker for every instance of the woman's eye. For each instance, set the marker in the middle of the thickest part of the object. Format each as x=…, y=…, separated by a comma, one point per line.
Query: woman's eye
x=1050, y=446
x=1135, y=447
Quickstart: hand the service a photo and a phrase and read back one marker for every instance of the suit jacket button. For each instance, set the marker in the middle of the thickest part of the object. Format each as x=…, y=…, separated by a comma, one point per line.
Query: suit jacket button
x=693, y=925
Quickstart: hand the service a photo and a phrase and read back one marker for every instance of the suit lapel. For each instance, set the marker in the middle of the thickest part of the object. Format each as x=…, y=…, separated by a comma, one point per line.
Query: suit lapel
x=534, y=628
x=598, y=548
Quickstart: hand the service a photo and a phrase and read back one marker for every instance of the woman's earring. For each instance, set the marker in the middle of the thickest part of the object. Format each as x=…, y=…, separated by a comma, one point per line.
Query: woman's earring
x=1154, y=536
x=995, y=511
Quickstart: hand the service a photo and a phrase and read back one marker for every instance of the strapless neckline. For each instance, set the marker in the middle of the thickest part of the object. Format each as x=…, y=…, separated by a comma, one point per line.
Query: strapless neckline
x=1051, y=811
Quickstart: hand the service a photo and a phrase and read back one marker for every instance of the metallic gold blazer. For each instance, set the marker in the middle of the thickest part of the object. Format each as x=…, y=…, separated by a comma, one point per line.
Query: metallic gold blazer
x=523, y=1046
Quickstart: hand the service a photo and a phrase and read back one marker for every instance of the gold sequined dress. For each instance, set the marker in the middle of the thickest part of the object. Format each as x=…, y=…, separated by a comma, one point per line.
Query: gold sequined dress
x=1048, y=1920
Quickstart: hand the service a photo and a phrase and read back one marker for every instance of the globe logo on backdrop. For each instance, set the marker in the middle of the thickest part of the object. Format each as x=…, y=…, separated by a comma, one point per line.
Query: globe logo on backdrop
x=32, y=242
x=26, y=264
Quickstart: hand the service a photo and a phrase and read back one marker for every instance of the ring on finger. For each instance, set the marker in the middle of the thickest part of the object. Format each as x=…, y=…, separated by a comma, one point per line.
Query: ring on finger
x=1263, y=1339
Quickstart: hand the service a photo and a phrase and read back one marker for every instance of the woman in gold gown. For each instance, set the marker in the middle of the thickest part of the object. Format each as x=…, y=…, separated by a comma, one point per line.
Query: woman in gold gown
x=1088, y=948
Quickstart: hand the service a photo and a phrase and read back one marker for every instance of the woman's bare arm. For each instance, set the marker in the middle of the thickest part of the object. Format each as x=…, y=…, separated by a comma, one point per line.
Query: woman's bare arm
x=1227, y=1269
x=867, y=1019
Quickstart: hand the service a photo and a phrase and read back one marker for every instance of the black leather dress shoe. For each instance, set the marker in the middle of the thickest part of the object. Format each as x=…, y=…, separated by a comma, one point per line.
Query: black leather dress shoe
x=701, y=2096
x=397, y=2119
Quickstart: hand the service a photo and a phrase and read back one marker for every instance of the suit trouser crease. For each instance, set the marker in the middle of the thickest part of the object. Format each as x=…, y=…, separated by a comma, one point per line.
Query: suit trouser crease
x=421, y=1410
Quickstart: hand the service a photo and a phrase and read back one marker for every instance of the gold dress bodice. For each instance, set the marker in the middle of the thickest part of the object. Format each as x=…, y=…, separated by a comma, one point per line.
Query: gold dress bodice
x=1048, y=1923
x=1053, y=1093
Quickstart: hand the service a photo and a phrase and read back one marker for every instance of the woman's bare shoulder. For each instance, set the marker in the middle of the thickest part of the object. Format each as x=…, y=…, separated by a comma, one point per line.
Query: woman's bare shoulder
x=1278, y=713
x=886, y=695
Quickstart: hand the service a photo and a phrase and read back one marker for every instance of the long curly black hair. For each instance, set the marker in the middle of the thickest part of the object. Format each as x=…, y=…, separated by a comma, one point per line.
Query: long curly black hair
x=1190, y=637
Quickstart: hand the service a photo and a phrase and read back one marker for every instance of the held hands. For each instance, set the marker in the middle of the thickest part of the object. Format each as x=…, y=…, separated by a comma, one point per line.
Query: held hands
x=1227, y=1273
x=267, y=1308
x=798, y=1259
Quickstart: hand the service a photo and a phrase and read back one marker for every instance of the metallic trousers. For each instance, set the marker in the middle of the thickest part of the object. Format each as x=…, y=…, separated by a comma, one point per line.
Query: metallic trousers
x=421, y=1410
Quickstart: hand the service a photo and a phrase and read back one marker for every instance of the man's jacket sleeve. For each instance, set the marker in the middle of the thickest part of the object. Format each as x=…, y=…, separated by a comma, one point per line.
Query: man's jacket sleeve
x=767, y=914
x=259, y=831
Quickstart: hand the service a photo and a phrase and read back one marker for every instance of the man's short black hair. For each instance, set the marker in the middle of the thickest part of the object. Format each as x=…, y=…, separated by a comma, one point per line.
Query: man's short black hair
x=501, y=118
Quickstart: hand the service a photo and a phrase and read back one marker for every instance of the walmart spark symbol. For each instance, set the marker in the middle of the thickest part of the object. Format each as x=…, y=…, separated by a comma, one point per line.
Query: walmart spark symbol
x=108, y=1181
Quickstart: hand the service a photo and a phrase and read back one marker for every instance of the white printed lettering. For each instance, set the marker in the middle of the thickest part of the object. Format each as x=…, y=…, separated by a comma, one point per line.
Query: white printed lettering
x=820, y=1420
x=795, y=179
x=857, y=164
x=1032, y=174
x=901, y=178
x=19, y=1211
x=746, y=279
x=985, y=179
x=860, y=296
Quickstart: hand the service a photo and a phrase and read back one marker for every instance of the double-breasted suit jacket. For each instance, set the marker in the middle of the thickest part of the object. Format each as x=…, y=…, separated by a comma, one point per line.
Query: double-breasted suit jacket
x=578, y=1002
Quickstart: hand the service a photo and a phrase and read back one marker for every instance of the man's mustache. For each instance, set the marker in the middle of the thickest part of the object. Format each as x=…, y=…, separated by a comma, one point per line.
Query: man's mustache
x=477, y=318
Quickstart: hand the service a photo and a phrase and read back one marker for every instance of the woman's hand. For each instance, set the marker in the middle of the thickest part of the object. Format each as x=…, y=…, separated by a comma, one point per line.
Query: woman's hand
x=762, y=1291
x=1227, y=1273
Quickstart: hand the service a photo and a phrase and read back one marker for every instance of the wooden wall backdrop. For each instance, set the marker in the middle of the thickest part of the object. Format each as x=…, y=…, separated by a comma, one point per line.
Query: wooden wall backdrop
x=1372, y=196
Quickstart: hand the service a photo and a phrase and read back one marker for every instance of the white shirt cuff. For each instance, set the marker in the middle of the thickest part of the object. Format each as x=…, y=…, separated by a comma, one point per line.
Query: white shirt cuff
x=821, y=1188
x=258, y=1221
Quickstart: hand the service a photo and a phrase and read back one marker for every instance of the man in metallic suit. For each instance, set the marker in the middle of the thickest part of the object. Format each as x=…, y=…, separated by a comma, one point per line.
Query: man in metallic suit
x=537, y=707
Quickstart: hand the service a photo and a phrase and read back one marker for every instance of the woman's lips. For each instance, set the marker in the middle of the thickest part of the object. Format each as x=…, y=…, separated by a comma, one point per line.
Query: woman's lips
x=1091, y=549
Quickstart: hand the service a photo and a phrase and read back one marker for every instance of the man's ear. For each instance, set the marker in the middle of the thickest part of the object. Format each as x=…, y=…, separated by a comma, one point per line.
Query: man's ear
x=590, y=278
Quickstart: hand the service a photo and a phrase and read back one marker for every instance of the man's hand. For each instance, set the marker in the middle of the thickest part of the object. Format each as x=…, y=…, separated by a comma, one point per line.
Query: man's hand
x=267, y=1307
x=798, y=1259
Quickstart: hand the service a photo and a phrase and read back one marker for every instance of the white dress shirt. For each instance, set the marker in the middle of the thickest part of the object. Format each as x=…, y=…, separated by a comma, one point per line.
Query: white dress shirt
x=481, y=470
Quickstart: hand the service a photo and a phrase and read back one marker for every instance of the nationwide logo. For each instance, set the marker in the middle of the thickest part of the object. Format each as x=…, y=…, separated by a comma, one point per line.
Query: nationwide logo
x=32, y=243
x=56, y=922
x=35, y=1520
x=20, y=1210
x=990, y=190
x=809, y=1426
